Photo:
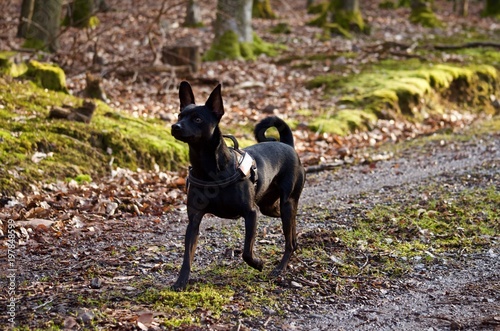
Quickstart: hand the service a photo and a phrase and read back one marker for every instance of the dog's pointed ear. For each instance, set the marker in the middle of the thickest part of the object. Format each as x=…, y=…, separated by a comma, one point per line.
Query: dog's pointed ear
x=186, y=95
x=214, y=102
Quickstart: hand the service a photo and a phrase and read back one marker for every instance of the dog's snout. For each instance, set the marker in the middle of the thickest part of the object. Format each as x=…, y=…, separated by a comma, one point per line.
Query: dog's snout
x=176, y=127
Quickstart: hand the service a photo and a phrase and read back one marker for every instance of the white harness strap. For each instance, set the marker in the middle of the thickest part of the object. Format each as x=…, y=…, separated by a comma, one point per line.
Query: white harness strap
x=245, y=164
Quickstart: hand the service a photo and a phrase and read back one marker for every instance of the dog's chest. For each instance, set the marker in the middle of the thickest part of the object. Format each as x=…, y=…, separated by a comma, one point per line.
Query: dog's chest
x=229, y=202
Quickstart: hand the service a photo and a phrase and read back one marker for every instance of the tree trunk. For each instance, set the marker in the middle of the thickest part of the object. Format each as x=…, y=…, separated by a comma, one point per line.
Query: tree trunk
x=492, y=8
x=193, y=15
x=463, y=10
x=79, y=13
x=234, y=16
x=350, y=5
x=234, y=38
x=42, y=23
x=27, y=8
x=233, y=30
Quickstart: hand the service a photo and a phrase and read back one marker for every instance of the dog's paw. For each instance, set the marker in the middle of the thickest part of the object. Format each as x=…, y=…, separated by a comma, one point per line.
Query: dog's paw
x=179, y=285
x=276, y=272
x=253, y=261
x=259, y=264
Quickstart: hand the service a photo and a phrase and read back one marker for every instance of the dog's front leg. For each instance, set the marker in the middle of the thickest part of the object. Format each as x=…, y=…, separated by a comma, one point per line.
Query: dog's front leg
x=250, y=233
x=190, y=241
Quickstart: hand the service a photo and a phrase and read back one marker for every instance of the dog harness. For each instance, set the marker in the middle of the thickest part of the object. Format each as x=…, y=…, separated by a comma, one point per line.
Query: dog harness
x=245, y=167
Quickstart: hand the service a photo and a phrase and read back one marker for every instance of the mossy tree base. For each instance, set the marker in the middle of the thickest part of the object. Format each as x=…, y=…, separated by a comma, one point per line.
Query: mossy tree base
x=81, y=14
x=262, y=9
x=336, y=20
x=422, y=13
x=229, y=47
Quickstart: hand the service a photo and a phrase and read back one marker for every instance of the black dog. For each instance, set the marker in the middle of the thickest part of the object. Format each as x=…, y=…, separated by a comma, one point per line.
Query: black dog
x=232, y=183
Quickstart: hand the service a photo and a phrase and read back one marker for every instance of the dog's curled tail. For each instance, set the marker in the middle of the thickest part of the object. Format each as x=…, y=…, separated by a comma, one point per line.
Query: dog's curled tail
x=286, y=135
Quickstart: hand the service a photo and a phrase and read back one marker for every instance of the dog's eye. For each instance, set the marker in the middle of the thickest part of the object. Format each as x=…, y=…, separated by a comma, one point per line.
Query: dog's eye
x=197, y=120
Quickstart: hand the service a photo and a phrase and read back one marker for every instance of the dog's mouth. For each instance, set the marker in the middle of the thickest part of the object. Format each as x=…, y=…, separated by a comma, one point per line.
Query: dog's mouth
x=181, y=135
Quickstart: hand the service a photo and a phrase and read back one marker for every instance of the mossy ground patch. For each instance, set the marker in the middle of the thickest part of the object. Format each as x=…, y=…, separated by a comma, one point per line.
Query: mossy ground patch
x=74, y=148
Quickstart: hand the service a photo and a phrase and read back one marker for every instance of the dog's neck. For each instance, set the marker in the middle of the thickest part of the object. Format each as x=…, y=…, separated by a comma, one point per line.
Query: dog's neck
x=210, y=159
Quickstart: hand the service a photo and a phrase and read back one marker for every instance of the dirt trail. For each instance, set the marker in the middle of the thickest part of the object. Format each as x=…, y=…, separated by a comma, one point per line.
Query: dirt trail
x=452, y=295
x=446, y=298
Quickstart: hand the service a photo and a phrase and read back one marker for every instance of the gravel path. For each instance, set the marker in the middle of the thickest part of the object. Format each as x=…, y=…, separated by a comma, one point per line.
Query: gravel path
x=462, y=294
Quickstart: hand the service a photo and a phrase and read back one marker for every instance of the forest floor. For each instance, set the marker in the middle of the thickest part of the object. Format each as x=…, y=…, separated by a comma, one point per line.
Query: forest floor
x=406, y=236
x=116, y=274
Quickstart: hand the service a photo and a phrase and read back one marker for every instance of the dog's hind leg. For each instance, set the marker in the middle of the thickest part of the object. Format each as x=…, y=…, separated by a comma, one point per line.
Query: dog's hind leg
x=190, y=241
x=250, y=233
x=288, y=214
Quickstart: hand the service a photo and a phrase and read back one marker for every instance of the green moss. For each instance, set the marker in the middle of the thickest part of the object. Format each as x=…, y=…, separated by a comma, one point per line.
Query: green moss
x=492, y=8
x=262, y=9
x=343, y=122
x=48, y=76
x=394, y=235
x=433, y=225
x=388, y=4
x=318, y=8
x=25, y=130
x=425, y=17
x=281, y=28
x=229, y=47
x=32, y=43
x=82, y=178
x=81, y=15
x=8, y=67
x=262, y=47
x=320, y=20
x=334, y=19
x=412, y=90
x=179, y=306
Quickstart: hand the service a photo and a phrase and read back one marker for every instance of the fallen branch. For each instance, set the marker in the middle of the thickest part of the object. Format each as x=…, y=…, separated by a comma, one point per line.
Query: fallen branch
x=473, y=44
x=323, y=167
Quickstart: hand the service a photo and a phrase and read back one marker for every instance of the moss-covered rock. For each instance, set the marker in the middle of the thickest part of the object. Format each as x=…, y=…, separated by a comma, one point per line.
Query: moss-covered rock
x=68, y=148
x=9, y=67
x=343, y=122
x=49, y=76
x=412, y=94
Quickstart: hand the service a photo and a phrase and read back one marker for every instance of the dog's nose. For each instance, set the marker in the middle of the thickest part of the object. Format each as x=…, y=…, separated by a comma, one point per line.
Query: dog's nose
x=176, y=127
